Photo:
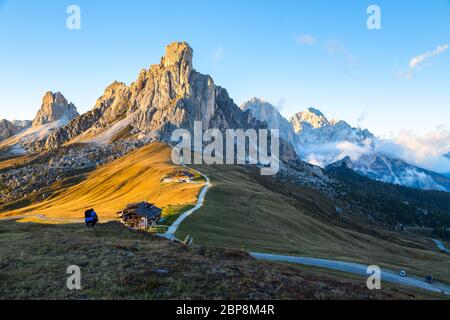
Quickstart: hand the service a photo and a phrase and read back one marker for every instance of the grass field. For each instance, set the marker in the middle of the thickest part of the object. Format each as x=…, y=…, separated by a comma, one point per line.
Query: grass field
x=242, y=211
x=118, y=263
x=13, y=161
x=108, y=189
x=246, y=211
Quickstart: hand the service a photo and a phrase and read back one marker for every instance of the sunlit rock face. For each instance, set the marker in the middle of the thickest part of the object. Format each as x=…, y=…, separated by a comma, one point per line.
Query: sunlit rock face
x=54, y=107
x=312, y=116
x=168, y=95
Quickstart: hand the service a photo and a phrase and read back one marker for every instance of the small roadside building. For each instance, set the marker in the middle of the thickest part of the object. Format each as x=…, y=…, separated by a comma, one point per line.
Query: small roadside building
x=179, y=177
x=140, y=215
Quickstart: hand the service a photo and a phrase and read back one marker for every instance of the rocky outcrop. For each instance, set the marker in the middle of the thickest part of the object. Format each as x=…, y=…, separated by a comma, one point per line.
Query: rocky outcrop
x=22, y=124
x=346, y=162
x=11, y=128
x=54, y=108
x=313, y=117
x=312, y=127
x=264, y=111
x=7, y=129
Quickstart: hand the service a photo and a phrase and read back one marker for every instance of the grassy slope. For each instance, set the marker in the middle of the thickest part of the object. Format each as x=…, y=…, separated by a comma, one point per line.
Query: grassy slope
x=118, y=263
x=111, y=187
x=13, y=161
x=242, y=210
x=246, y=211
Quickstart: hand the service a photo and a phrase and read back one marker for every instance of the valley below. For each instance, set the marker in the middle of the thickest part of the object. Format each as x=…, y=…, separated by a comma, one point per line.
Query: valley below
x=242, y=212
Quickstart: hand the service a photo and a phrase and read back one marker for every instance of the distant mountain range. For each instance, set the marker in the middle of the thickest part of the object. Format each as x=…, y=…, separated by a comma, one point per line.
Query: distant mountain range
x=324, y=142
x=172, y=94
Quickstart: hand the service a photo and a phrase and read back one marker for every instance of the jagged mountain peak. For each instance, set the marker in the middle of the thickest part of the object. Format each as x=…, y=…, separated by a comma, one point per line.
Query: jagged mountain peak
x=167, y=96
x=264, y=111
x=113, y=87
x=54, y=107
x=257, y=100
x=315, y=112
x=258, y=103
x=311, y=116
x=178, y=53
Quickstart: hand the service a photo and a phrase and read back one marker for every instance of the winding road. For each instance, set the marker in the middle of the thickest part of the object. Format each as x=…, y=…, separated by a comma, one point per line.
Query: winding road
x=356, y=268
x=348, y=267
x=170, y=233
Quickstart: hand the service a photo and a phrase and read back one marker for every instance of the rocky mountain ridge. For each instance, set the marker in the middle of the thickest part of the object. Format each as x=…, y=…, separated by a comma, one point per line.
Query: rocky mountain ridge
x=54, y=107
x=11, y=128
x=55, y=112
x=167, y=96
x=323, y=142
x=264, y=111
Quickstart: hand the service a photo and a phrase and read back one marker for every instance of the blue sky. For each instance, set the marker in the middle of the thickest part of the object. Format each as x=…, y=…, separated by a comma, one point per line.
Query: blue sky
x=251, y=47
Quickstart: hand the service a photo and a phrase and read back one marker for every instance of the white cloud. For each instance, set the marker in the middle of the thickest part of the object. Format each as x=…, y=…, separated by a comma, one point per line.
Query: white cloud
x=324, y=154
x=219, y=53
x=306, y=40
x=424, y=151
x=417, y=61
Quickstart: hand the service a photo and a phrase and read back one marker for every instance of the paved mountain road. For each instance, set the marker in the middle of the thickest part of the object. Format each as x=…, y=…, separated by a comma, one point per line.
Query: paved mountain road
x=170, y=233
x=356, y=268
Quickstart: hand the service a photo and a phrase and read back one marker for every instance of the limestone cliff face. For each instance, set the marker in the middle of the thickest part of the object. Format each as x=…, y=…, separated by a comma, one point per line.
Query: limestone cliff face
x=54, y=107
x=167, y=96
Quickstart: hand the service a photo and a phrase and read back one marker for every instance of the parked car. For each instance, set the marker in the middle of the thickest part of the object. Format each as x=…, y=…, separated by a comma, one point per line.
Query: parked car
x=402, y=273
x=429, y=278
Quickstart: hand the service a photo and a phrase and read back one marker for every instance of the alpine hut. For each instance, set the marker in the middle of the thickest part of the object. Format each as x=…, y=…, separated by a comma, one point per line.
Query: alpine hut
x=140, y=215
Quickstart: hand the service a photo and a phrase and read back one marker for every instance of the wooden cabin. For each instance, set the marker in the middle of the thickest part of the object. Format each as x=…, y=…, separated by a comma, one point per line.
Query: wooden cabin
x=140, y=215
